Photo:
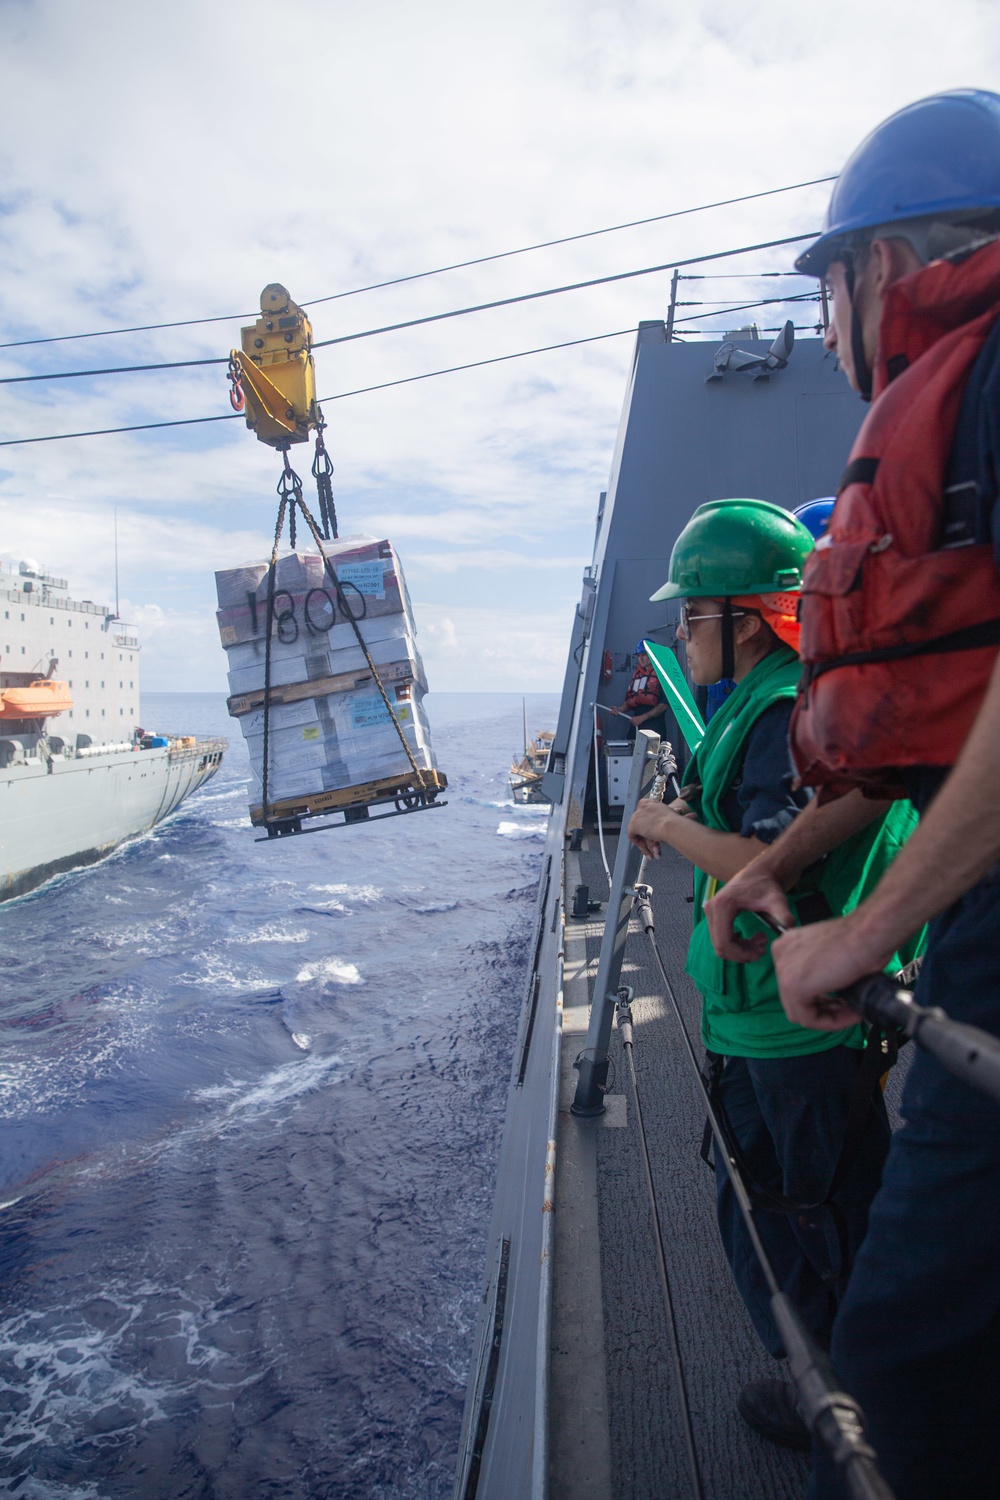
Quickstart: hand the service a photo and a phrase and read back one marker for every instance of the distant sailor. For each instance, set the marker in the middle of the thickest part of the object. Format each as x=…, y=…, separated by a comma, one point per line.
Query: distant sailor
x=644, y=702
x=900, y=626
x=788, y=1093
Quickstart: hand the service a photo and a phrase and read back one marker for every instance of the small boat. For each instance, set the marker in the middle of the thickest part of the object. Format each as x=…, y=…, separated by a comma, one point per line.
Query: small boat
x=526, y=774
x=36, y=701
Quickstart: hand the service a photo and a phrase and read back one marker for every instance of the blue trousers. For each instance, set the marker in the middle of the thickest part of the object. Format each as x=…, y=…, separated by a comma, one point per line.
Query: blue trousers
x=917, y=1337
x=788, y=1115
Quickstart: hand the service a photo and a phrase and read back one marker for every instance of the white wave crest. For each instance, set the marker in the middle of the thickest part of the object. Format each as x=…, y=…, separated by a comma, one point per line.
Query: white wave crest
x=273, y=932
x=366, y=895
x=245, y=1102
x=330, y=970
x=520, y=831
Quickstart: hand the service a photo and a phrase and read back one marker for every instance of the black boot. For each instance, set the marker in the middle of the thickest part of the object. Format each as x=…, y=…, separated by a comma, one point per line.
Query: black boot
x=770, y=1407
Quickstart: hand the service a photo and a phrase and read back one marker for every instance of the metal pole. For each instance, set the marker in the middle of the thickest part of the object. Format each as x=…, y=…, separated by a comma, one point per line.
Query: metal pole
x=673, y=305
x=593, y=1065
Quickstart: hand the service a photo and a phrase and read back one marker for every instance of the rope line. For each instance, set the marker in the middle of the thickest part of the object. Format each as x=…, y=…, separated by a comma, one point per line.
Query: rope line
x=456, y=312
x=175, y=364
x=597, y=791
x=572, y=286
x=290, y=498
x=460, y=265
x=832, y=1415
x=364, y=390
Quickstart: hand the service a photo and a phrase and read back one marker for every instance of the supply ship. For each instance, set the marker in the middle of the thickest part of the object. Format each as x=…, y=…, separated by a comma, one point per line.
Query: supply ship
x=77, y=774
x=581, y=1386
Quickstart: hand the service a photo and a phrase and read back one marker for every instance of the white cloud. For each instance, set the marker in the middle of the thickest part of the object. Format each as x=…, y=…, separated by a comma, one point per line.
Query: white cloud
x=164, y=175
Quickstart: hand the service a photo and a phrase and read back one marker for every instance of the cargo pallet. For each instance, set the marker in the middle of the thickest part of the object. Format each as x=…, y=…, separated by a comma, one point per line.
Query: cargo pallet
x=405, y=793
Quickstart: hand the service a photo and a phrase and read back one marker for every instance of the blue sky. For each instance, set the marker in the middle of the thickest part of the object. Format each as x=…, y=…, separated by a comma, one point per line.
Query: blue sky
x=167, y=162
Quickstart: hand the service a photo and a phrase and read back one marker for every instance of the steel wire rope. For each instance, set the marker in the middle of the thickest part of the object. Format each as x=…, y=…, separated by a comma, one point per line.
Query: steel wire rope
x=384, y=385
x=555, y=291
x=830, y=1412
x=460, y=265
x=455, y=312
x=597, y=794
x=364, y=390
x=290, y=497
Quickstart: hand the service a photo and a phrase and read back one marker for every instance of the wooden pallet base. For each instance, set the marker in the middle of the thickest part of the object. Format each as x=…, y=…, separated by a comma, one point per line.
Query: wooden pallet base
x=384, y=790
x=392, y=674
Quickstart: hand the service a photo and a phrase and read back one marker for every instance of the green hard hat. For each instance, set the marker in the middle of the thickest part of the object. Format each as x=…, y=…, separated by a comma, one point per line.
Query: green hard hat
x=737, y=547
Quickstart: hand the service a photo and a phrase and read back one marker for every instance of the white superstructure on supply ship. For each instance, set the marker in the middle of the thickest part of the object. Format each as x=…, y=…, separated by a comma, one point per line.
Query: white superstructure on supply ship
x=77, y=774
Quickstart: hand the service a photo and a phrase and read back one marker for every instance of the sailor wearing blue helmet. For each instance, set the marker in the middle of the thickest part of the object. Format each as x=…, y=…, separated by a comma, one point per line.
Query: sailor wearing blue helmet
x=815, y=514
x=901, y=695
x=644, y=705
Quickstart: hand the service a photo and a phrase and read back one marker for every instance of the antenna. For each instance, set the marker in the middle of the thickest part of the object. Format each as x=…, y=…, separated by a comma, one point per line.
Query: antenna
x=524, y=723
x=116, y=563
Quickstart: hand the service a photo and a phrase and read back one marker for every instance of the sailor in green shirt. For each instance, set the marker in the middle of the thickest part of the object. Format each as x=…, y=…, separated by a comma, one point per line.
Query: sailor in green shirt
x=793, y=1096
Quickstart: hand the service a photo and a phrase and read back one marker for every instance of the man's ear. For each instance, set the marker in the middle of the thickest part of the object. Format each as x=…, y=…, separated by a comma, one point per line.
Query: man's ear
x=890, y=261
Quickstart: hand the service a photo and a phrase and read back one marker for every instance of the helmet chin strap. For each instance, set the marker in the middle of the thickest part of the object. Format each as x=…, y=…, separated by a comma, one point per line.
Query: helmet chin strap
x=728, y=640
x=862, y=369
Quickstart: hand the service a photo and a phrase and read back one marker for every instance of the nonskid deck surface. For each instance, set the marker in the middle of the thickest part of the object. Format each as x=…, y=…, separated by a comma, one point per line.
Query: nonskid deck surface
x=719, y=1347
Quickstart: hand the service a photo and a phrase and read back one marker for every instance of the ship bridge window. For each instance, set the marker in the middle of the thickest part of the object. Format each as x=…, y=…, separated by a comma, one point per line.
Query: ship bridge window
x=22, y=650
x=85, y=655
x=22, y=617
x=6, y=614
x=87, y=683
x=52, y=619
x=102, y=682
x=102, y=713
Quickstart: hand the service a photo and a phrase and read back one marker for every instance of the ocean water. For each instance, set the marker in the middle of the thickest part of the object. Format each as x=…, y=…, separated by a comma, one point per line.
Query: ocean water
x=250, y=1106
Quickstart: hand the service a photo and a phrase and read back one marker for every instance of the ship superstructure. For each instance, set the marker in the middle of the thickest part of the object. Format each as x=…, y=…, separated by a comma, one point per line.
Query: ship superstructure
x=77, y=780
x=44, y=634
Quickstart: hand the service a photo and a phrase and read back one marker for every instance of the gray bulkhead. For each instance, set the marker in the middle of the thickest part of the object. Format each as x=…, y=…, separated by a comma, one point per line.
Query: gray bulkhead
x=683, y=438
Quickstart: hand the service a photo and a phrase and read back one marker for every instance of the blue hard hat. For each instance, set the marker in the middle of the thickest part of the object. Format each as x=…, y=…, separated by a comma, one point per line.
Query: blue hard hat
x=937, y=158
x=815, y=514
x=640, y=648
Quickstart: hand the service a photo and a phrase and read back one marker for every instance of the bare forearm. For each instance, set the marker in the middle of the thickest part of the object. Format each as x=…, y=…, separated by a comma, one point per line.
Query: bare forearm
x=817, y=831
x=719, y=854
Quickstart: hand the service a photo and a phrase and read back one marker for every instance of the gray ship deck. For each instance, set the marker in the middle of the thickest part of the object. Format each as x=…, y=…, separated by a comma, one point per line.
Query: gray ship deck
x=637, y=1450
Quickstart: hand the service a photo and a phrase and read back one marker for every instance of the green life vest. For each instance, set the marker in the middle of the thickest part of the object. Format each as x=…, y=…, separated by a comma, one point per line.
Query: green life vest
x=742, y=1014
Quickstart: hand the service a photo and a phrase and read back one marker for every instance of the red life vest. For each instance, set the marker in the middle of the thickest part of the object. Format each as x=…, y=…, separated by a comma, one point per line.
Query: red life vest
x=643, y=690
x=899, y=636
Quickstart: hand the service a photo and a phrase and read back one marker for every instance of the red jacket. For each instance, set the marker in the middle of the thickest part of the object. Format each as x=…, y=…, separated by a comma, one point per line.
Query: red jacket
x=899, y=636
x=643, y=691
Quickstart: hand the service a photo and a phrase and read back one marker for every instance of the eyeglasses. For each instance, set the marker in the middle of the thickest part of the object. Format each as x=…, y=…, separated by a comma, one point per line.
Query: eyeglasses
x=687, y=619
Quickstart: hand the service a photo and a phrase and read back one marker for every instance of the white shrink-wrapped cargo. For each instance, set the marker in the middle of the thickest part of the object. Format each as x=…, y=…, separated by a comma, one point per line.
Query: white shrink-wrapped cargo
x=332, y=741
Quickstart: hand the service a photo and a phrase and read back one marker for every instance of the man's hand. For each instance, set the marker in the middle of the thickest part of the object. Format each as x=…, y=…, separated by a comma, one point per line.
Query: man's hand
x=761, y=885
x=811, y=962
x=646, y=827
x=754, y=888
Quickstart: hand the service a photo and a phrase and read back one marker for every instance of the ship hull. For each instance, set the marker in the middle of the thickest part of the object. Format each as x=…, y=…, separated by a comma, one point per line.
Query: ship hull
x=59, y=815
